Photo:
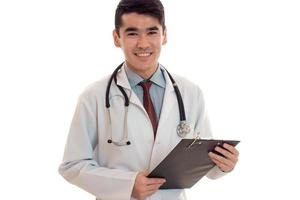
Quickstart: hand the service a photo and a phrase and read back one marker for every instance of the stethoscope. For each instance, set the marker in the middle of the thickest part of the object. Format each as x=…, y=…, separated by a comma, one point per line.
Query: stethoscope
x=183, y=127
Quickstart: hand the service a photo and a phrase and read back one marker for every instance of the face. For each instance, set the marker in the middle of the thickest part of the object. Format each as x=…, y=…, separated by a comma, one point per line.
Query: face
x=141, y=38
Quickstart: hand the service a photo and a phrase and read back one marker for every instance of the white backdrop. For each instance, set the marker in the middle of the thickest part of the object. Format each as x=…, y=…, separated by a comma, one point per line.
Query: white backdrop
x=244, y=55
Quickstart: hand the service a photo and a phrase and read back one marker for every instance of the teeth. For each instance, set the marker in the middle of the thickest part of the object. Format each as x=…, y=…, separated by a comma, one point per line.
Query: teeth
x=143, y=54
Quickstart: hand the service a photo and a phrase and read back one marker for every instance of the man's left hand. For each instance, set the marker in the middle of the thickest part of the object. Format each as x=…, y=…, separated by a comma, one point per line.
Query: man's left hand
x=228, y=162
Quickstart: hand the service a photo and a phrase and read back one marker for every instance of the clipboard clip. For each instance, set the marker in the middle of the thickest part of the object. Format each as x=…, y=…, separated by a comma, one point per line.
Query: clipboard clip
x=196, y=141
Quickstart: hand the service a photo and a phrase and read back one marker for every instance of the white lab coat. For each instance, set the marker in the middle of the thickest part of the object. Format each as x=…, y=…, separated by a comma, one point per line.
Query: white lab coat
x=108, y=171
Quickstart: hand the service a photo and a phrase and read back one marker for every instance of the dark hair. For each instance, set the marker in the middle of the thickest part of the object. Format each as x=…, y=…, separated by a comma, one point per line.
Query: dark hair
x=153, y=8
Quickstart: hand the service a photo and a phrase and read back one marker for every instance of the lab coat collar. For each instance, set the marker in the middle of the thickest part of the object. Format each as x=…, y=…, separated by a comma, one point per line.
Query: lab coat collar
x=169, y=84
x=122, y=79
x=158, y=77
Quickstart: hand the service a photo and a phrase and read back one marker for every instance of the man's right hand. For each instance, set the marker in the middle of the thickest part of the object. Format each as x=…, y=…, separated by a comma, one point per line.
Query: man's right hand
x=144, y=186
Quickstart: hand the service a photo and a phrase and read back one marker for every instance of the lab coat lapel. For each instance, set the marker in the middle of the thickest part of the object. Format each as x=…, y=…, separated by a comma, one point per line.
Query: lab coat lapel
x=168, y=102
x=165, y=137
x=122, y=81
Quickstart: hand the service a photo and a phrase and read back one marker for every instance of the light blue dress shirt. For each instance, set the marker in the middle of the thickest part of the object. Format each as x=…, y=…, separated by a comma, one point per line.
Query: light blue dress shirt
x=157, y=89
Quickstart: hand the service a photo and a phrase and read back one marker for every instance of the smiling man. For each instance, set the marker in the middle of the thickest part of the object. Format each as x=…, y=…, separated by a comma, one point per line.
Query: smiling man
x=141, y=38
x=125, y=125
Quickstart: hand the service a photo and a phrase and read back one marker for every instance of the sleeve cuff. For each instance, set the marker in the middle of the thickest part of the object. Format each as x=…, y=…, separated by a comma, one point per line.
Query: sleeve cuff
x=215, y=173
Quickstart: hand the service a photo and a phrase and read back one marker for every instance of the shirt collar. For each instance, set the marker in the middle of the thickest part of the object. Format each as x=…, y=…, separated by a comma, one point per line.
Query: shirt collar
x=157, y=78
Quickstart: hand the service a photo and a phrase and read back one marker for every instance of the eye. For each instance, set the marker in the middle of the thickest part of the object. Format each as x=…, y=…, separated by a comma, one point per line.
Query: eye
x=131, y=34
x=152, y=32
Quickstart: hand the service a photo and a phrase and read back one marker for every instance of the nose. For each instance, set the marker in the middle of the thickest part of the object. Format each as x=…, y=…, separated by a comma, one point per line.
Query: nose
x=142, y=42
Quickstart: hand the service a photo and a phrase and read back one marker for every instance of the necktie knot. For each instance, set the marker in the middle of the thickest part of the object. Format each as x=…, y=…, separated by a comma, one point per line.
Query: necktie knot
x=145, y=85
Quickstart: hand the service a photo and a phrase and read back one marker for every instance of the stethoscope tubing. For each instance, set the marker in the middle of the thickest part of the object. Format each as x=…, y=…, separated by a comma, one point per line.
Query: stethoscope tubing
x=114, y=77
x=182, y=125
x=179, y=99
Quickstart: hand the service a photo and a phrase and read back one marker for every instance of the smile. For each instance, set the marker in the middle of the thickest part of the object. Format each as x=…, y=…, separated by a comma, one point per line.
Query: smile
x=143, y=54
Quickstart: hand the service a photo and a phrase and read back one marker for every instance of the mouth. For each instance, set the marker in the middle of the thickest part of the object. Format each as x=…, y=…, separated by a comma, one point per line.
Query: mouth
x=143, y=54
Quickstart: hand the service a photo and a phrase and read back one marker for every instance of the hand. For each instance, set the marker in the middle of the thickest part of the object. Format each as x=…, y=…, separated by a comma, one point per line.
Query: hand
x=228, y=162
x=144, y=186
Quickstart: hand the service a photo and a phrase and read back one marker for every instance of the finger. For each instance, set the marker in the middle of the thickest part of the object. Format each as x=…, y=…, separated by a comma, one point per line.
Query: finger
x=221, y=159
x=153, y=187
x=231, y=148
x=229, y=164
x=226, y=153
x=140, y=179
x=222, y=166
x=154, y=181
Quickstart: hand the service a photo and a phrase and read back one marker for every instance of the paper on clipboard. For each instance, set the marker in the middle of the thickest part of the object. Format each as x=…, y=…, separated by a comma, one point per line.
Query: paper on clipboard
x=187, y=163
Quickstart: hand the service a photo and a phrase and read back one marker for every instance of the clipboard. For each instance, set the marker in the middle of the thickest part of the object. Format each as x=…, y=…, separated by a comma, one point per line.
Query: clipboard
x=187, y=163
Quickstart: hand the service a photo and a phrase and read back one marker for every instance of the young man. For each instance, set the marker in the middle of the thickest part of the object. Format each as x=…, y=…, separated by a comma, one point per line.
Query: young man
x=110, y=152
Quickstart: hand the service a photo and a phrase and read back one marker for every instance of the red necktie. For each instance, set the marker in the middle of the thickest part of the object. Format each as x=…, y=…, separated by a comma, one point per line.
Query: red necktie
x=148, y=105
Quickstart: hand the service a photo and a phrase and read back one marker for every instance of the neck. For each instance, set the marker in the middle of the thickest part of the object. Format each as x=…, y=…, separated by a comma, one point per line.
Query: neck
x=144, y=73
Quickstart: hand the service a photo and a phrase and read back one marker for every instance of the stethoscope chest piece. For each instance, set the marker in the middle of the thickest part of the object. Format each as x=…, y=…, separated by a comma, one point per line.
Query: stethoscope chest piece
x=183, y=129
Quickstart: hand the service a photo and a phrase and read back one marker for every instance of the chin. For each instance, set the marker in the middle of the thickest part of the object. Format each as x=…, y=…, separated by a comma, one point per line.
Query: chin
x=141, y=65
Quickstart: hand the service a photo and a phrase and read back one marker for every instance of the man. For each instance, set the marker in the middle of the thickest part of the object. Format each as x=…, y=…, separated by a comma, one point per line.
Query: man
x=95, y=157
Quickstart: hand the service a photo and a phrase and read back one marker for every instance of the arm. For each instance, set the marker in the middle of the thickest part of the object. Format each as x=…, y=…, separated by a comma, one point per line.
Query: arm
x=79, y=166
x=223, y=165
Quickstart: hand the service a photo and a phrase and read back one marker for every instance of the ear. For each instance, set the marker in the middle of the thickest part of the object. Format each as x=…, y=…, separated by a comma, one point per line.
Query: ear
x=165, y=39
x=116, y=39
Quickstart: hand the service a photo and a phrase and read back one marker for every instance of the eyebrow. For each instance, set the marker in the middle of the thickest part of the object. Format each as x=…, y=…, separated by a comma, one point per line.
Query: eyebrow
x=130, y=29
x=153, y=28
x=133, y=29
